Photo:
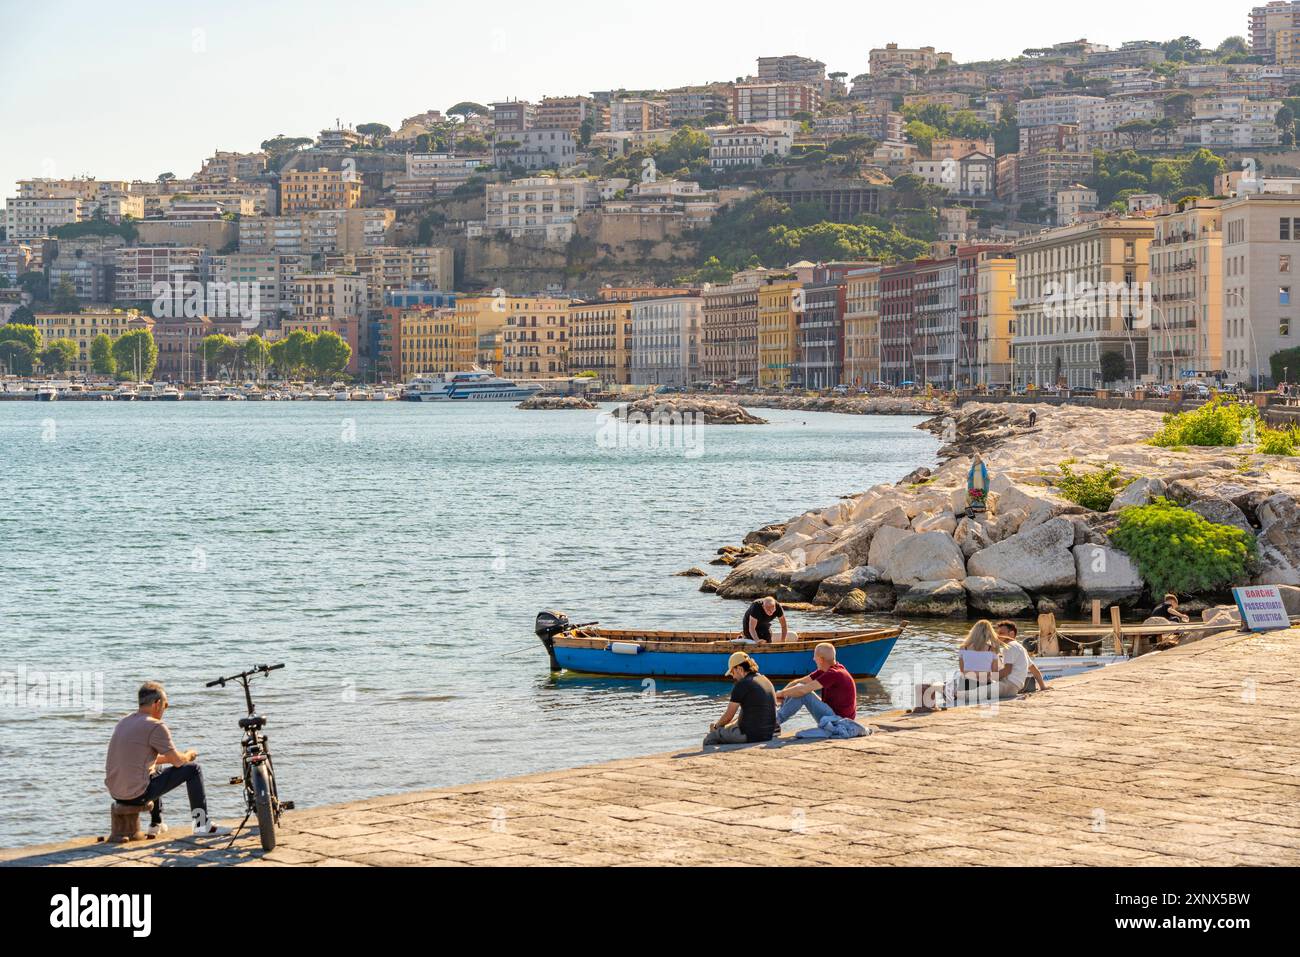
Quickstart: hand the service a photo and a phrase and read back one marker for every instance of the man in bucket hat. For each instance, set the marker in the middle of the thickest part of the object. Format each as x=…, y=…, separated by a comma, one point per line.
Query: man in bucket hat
x=755, y=697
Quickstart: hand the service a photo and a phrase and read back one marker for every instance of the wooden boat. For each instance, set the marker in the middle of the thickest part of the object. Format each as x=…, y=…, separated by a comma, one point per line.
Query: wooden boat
x=701, y=654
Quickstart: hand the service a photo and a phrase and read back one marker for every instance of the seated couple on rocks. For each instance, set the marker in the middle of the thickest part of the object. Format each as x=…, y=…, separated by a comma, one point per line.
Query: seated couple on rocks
x=763, y=709
x=992, y=665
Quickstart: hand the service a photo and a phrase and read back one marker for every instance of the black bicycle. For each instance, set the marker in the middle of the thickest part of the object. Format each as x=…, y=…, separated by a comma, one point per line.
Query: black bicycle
x=260, y=796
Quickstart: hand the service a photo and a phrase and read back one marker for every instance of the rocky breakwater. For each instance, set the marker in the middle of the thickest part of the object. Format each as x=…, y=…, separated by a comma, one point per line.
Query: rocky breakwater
x=848, y=405
x=915, y=549
x=556, y=402
x=665, y=409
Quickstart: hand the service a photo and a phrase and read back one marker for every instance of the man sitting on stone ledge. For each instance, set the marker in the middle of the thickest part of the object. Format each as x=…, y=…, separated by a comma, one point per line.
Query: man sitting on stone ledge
x=1019, y=666
x=839, y=694
x=139, y=744
x=755, y=697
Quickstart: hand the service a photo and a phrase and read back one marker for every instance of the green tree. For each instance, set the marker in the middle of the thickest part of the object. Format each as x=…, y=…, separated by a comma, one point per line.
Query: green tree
x=1285, y=365
x=101, y=355
x=468, y=108
x=291, y=354
x=16, y=330
x=256, y=355
x=329, y=354
x=65, y=298
x=59, y=356
x=16, y=357
x=34, y=284
x=218, y=349
x=1113, y=367
x=375, y=132
x=136, y=355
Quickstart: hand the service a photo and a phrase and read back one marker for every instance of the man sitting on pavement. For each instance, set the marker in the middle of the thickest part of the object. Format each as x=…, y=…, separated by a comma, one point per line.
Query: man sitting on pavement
x=755, y=697
x=1019, y=666
x=839, y=693
x=139, y=744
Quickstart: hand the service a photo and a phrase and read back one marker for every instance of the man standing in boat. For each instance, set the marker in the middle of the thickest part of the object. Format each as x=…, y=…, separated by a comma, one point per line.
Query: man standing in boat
x=839, y=693
x=757, y=623
x=755, y=698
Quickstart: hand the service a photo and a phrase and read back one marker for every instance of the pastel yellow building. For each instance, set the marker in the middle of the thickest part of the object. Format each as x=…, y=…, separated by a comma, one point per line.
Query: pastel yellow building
x=995, y=279
x=535, y=342
x=83, y=327
x=303, y=189
x=778, y=302
x=862, y=327
x=600, y=340
x=428, y=340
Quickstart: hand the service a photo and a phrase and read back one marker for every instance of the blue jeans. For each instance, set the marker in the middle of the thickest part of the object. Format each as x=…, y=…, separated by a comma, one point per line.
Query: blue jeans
x=815, y=705
x=191, y=775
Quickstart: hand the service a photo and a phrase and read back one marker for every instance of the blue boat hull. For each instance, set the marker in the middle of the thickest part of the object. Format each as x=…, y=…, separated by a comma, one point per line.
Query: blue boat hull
x=860, y=660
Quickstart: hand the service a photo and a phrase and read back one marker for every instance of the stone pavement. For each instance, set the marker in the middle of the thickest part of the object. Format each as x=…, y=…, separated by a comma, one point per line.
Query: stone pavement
x=1187, y=757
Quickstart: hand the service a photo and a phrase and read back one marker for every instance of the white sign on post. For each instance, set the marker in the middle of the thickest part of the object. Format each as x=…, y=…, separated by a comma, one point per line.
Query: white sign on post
x=1262, y=608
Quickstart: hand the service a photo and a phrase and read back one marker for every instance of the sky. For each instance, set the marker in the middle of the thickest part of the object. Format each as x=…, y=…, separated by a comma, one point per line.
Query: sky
x=129, y=91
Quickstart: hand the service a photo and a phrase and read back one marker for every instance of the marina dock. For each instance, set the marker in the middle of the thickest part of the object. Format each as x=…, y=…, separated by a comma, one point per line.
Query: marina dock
x=1189, y=756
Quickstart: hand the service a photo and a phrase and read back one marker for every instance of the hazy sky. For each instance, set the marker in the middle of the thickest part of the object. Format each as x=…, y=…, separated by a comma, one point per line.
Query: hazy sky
x=131, y=90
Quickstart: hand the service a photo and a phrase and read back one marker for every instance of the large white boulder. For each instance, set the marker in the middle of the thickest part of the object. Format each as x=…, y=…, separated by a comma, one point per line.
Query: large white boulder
x=1138, y=492
x=1220, y=511
x=758, y=576
x=807, y=579
x=884, y=542
x=1038, y=560
x=925, y=556
x=1106, y=573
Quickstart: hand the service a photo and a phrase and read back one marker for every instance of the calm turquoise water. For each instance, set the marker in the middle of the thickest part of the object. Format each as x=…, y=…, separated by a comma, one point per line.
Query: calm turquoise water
x=393, y=556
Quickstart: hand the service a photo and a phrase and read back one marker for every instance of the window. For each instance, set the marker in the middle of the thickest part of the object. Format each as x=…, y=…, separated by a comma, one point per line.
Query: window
x=1284, y=326
x=1284, y=228
x=1284, y=296
x=1283, y=263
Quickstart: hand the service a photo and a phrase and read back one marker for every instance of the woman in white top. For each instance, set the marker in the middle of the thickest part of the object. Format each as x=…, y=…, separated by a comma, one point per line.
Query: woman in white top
x=979, y=659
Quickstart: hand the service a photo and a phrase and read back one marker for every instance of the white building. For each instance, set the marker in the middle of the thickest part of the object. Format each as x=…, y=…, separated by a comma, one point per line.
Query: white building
x=666, y=340
x=542, y=207
x=1261, y=256
x=1054, y=110
x=1072, y=201
x=746, y=145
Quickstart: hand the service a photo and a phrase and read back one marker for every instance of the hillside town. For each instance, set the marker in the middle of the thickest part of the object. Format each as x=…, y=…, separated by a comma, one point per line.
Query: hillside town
x=1075, y=216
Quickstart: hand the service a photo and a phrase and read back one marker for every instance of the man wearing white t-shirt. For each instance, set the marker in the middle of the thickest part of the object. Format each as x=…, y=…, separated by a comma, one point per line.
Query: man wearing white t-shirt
x=1018, y=666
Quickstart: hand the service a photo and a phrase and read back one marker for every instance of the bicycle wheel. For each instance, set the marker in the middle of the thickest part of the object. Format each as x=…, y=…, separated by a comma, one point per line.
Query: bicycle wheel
x=262, y=804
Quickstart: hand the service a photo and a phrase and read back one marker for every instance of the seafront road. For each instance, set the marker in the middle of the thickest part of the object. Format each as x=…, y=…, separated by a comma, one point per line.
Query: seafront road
x=1185, y=757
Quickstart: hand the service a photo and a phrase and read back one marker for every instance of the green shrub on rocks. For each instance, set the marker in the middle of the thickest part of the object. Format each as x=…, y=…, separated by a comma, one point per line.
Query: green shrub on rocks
x=1177, y=550
x=1218, y=422
x=1282, y=441
x=1093, y=490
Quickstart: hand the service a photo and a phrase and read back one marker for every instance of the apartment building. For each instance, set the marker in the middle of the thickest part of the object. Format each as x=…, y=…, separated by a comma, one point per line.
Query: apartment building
x=213, y=234
x=746, y=146
x=1186, y=328
x=476, y=317
x=396, y=267
x=1038, y=177
x=273, y=277
x=779, y=304
x=541, y=207
x=29, y=219
x=534, y=149
x=83, y=327
x=1055, y=110
x=428, y=341
x=756, y=102
x=1063, y=326
x=142, y=273
x=318, y=232
x=444, y=171
x=666, y=340
x=325, y=301
x=1261, y=249
x=637, y=113
x=1267, y=21
x=995, y=320
x=1074, y=204
x=820, y=331
x=937, y=349
x=512, y=116
x=307, y=189
x=601, y=340
x=570, y=113
x=791, y=69
x=535, y=341
x=692, y=104
x=89, y=263
x=862, y=326
x=230, y=167
x=894, y=59
x=730, y=329
x=15, y=259
x=897, y=324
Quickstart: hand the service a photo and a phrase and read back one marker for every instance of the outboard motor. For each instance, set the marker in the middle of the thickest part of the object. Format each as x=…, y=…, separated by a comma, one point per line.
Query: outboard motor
x=548, y=625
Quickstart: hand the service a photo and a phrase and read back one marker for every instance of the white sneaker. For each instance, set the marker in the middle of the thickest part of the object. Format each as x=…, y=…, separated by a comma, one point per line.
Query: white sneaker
x=153, y=830
x=210, y=830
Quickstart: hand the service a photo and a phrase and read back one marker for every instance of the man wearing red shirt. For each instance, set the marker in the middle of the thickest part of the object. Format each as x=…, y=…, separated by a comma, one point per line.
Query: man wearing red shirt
x=839, y=693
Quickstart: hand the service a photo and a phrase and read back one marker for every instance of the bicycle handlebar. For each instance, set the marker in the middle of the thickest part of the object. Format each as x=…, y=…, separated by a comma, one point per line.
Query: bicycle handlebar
x=258, y=670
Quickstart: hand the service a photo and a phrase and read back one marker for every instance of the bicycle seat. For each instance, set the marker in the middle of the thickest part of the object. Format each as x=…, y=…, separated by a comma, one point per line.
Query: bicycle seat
x=256, y=723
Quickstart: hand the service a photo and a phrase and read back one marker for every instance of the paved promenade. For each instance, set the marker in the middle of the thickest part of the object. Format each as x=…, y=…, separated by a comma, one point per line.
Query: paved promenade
x=1188, y=757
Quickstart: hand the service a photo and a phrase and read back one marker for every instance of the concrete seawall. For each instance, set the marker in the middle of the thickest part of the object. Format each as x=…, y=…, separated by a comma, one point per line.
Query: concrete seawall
x=1185, y=757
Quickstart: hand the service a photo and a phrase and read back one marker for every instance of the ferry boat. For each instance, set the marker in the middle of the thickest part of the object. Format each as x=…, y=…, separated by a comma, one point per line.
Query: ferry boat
x=476, y=385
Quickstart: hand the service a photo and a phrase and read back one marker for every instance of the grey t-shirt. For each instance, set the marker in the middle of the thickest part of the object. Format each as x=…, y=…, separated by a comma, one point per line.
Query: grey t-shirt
x=137, y=741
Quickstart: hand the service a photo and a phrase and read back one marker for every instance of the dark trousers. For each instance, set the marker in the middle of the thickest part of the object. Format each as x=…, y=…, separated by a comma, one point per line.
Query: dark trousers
x=191, y=775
